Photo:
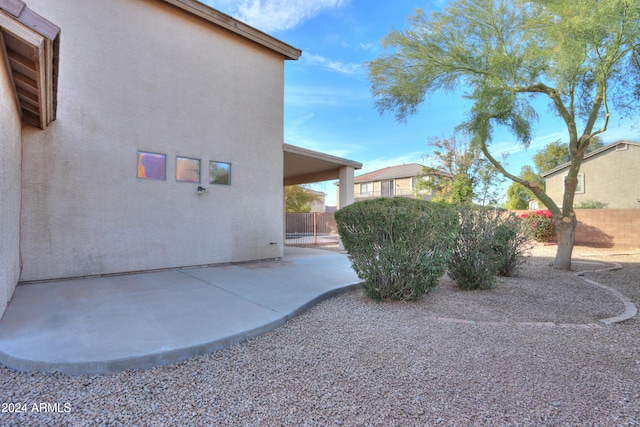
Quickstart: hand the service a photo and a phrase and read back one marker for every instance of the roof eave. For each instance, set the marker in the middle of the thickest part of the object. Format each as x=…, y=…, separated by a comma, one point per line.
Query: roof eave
x=225, y=21
x=591, y=154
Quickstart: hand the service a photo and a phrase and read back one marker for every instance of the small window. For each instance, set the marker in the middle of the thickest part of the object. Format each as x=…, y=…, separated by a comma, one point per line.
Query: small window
x=152, y=166
x=622, y=147
x=366, y=189
x=579, y=186
x=387, y=188
x=187, y=169
x=219, y=173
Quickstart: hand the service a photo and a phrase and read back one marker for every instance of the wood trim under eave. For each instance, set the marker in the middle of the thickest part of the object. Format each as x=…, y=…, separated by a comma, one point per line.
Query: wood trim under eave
x=51, y=82
x=45, y=68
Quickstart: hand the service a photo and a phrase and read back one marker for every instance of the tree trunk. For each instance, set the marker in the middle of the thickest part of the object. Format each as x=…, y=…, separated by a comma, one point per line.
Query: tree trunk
x=566, y=231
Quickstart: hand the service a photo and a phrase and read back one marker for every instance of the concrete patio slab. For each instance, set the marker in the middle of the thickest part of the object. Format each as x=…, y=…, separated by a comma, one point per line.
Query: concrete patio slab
x=108, y=324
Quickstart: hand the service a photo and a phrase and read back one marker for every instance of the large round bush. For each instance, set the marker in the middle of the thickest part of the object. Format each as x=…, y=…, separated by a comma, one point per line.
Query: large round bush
x=398, y=246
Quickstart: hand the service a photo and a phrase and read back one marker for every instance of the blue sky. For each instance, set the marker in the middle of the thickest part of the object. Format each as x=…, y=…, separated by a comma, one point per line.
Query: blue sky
x=328, y=104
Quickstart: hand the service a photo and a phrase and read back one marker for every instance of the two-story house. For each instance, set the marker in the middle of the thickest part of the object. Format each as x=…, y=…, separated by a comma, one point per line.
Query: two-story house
x=392, y=181
x=608, y=175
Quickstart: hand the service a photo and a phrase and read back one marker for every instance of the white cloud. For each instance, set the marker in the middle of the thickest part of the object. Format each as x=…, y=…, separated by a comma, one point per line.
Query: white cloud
x=331, y=65
x=369, y=46
x=274, y=15
x=306, y=96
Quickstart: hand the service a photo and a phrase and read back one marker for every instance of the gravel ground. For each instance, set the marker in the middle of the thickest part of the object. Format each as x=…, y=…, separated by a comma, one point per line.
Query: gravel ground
x=352, y=362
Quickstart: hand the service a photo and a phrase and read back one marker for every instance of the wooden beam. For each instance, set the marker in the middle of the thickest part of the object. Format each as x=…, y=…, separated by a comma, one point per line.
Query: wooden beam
x=28, y=96
x=29, y=107
x=30, y=118
x=23, y=65
x=25, y=82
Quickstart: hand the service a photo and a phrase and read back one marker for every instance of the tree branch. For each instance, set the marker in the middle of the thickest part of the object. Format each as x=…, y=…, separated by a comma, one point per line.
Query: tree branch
x=601, y=99
x=532, y=186
x=566, y=115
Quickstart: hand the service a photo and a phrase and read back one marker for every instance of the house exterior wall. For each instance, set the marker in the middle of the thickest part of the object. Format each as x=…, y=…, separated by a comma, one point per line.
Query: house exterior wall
x=10, y=148
x=318, y=205
x=402, y=187
x=609, y=177
x=162, y=81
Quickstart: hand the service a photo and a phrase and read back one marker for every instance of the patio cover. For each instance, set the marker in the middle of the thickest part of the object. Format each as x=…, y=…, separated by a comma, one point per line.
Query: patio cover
x=303, y=166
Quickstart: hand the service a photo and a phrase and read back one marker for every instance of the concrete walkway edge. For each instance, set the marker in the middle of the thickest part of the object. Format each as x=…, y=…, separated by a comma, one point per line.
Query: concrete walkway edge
x=108, y=325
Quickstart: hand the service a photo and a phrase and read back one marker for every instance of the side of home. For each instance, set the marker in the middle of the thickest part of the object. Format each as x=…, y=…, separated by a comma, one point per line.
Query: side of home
x=9, y=187
x=608, y=175
x=141, y=135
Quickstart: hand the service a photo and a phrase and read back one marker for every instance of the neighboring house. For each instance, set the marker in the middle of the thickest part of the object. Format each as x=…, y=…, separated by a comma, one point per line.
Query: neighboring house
x=391, y=181
x=608, y=175
x=298, y=197
x=318, y=205
x=140, y=135
x=534, y=204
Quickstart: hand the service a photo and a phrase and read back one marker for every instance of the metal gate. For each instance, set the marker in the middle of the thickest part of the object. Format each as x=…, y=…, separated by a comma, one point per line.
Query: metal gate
x=312, y=228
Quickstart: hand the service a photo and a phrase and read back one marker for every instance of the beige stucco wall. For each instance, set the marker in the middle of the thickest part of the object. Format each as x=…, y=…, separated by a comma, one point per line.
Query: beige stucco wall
x=403, y=187
x=141, y=75
x=610, y=177
x=10, y=148
x=318, y=205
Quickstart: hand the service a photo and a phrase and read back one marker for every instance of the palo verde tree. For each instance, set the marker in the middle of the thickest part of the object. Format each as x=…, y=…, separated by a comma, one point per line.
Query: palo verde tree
x=507, y=53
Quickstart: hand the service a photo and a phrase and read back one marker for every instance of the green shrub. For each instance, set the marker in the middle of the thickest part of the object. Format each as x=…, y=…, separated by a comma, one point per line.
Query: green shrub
x=473, y=263
x=399, y=247
x=590, y=204
x=511, y=244
x=539, y=225
x=488, y=242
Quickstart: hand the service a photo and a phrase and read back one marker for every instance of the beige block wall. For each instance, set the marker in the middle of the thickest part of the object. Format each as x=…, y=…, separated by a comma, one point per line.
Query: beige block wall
x=618, y=188
x=10, y=147
x=141, y=75
x=606, y=227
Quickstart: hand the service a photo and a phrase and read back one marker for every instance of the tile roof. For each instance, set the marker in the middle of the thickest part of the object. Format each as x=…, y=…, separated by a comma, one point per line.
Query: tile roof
x=403, y=171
